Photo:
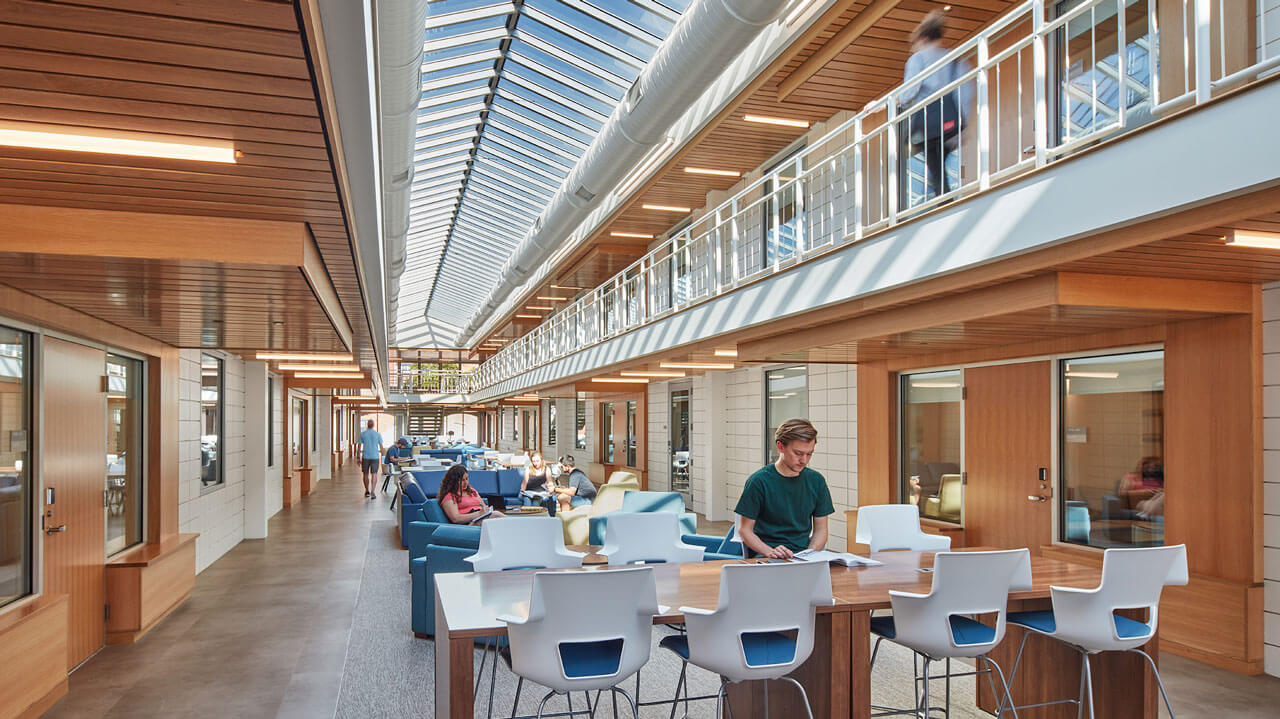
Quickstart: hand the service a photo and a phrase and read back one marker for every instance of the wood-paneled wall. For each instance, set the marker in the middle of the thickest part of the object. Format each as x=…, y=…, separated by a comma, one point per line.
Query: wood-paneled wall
x=33, y=652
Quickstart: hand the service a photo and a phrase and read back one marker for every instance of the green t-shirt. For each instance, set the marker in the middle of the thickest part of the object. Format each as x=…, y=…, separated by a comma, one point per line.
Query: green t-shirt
x=784, y=507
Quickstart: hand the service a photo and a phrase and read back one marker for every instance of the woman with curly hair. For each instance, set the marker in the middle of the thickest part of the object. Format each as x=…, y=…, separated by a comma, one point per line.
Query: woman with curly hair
x=461, y=503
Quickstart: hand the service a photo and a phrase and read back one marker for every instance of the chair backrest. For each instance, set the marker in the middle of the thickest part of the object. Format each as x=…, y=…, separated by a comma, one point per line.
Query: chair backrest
x=1131, y=579
x=621, y=477
x=412, y=491
x=585, y=630
x=895, y=526
x=637, y=501
x=484, y=481
x=964, y=583
x=608, y=499
x=432, y=512
x=763, y=625
x=504, y=457
x=455, y=535
x=646, y=537
x=429, y=481
x=523, y=543
x=731, y=545
x=950, y=496
x=509, y=482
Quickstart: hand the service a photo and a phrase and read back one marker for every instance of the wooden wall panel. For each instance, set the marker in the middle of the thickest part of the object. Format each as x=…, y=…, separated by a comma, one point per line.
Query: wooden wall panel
x=877, y=434
x=71, y=461
x=33, y=652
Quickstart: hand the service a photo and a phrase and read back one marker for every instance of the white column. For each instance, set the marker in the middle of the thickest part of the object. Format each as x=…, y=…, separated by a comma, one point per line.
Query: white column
x=714, y=475
x=324, y=440
x=255, y=450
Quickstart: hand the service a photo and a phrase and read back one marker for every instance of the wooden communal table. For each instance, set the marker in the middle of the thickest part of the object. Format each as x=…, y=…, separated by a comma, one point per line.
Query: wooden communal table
x=837, y=675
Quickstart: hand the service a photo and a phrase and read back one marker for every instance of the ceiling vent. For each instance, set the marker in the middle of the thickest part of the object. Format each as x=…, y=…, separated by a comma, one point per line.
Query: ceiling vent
x=582, y=193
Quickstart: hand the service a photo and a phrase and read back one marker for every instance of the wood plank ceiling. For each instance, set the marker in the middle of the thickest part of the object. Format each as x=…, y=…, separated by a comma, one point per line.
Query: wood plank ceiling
x=235, y=70
x=860, y=72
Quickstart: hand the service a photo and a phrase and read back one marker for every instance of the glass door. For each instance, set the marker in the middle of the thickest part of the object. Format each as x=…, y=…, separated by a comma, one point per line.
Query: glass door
x=678, y=442
x=124, y=479
x=932, y=443
x=298, y=434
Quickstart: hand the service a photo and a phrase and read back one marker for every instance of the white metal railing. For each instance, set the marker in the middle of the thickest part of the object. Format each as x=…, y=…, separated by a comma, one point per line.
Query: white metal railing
x=412, y=380
x=1043, y=88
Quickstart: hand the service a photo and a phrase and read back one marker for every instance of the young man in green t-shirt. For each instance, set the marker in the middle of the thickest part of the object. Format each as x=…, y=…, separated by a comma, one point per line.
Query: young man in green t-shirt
x=785, y=505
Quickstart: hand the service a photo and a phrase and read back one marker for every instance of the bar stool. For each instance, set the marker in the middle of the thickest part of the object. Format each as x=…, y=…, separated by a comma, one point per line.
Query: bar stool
x=1086, y=619
x=938, y=625
x=896, y=526
x=584, y=631
x=754, y=634
x=648, y=538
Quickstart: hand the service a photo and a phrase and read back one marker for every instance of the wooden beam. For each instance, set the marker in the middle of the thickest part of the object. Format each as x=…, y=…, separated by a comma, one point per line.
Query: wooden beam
x=833, y=47
x=149, y=235
x=1154, y=293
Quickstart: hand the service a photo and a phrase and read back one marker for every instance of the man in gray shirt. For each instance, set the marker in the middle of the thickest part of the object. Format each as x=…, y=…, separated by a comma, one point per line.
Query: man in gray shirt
x=578, y=489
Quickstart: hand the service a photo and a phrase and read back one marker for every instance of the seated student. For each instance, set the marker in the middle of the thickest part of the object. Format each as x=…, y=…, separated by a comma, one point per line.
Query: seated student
x=782, y=502
x=538, y=483
x=578, y=489
x=461, y=503
x=398, y=454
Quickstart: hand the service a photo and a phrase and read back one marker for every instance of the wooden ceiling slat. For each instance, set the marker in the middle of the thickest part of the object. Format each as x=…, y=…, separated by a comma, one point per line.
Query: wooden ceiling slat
x=173, y=207
x=82, y=118
x=247, y=175
x=232, y=192
x=256, y=200
x=161, y=111
x=251, y=13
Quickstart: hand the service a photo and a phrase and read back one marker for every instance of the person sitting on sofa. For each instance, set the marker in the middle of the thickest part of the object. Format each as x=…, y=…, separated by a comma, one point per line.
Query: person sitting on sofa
x=461, y=503
x=578, y=489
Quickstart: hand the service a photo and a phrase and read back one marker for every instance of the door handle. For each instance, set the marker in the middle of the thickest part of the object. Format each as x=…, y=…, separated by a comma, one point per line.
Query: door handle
x=54, y=530
x=1036, y=498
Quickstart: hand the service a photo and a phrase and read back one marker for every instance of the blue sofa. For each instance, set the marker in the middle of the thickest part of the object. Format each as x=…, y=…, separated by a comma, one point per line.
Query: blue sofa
x=726, y=547
x=449, y=546
x=634, y=501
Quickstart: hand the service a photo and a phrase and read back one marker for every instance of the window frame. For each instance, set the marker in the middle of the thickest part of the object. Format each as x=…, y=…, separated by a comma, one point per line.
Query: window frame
x=271, y=420
x=29, y=496
x=551, y=423
x=221, y=481
x=632, y=453
x=580, y=424
x=142, y=364
x=901, y=460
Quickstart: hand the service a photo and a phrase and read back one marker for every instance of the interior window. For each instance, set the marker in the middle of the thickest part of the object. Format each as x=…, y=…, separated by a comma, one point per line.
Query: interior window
x=931, y=441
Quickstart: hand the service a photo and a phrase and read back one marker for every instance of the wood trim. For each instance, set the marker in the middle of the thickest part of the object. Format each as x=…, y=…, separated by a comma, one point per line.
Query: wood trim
x=33, y=651
x=833, y=47
x=1155, y=293
x=877, y=432
x=45, y=703
x=147, y=584
x=149, y=235
x=1039, y=348
x=317, y=276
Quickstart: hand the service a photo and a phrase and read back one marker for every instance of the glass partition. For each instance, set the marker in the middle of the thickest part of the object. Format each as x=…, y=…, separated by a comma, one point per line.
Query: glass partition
x=211, y=419
x=606, y=430
x=786, y=392
x=551, y=423
x=125, y=483
x=580, y=423
x=15, y=469
x=1112, y=450
x=931, y=440
x=631, y=433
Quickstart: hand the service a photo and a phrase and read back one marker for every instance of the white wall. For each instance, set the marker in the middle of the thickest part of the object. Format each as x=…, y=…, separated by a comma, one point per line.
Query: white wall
x=658, y=432
x=833, y=398
x=218, y=514
x=743, y=432
x=1271, y=476
x=565, y=430
x=275, y=472
x=322, y=458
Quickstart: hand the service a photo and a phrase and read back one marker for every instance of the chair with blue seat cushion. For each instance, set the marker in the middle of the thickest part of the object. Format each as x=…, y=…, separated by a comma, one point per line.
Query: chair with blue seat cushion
x=447, y=551
x=509, y=481
x=411, y=499
x=636, y=501
x=1086, y=619
x=726, y=547
x=939, y=626
x=483, y=481
x=429, y=480
x=417, y=535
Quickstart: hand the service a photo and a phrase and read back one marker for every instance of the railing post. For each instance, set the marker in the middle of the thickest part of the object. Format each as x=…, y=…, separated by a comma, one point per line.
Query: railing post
x=857, y=180
x=1040, y=118
x=802, y=227
x=1122, y=67
x=984, y=116
x=1204, y=50
x=891, y=157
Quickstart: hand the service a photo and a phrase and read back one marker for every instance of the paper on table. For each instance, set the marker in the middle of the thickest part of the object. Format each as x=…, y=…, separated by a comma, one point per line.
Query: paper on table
x=848, y=560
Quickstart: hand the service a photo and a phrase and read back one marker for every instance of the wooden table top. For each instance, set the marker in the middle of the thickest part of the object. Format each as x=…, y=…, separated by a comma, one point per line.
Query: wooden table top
x=473, y=601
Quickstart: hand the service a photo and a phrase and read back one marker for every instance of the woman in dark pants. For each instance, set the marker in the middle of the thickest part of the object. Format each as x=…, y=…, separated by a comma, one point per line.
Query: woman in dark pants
x=934, y=130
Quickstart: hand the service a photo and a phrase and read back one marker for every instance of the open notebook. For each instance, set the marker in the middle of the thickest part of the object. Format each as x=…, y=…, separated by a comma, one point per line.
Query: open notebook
x=848, y=560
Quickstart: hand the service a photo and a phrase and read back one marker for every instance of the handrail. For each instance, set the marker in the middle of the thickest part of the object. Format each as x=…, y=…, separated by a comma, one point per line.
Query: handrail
x=430, y=381
x=853, y=181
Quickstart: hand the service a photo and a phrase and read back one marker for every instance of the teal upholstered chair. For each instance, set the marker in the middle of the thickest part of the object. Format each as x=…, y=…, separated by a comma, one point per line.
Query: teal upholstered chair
x=635, y=501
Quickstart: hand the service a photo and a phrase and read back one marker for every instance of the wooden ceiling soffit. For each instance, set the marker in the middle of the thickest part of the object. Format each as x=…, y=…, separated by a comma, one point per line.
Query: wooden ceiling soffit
x=1049, y=290
x=332, y=383
x=833, y=47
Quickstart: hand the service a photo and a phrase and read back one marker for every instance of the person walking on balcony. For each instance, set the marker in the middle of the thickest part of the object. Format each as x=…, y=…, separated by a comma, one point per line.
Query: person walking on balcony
x=933, y=130
x=370, y=454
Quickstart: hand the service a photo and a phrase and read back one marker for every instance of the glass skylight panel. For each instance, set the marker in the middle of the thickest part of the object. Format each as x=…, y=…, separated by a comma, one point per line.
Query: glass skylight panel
x=515, y=121
x=441, y=14
x=519, y=144
x=577, y=52
x=635, y=45
x=541, y=120
x=471, y=47
x=555, y=66
x=515, y=154
x=576, y=93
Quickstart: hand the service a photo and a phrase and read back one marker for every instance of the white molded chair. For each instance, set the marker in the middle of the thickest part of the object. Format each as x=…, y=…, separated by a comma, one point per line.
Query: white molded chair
x=523, y=543
x=754, y=634
x=938, y=625
x=895, y=526
x=1086, y=619
x=646, y=537
x=584, y=631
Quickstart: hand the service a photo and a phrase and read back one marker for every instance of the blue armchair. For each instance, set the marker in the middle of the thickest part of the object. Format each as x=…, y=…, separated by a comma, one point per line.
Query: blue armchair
x=447, y=551
x=726, y=547
x=417, y=533
x=634, y=501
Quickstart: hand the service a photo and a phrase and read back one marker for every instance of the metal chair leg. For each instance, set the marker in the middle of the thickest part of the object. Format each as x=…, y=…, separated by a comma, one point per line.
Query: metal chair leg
x=946, y=711
x=493, y=678
x=570, y=696
x=684, y=668
x=719, y=694
x=542, y=704
x=516, y=704
x=803, y=695
x=484, y=658
x=635, y=712
x=925, y=691
x=1008, y=695
x=1013, y=672
x=1159, y=683
x=1088, y=685
x=766, y=698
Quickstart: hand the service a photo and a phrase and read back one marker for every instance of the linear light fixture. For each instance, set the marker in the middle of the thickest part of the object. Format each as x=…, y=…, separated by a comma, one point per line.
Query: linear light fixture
x=636, y=235
x=709, y=171
x=624, y=380
x=115, y=142
x=1092, y=375
x=726, y=353
x=695, y=365
x=327, y=375
x=563, y=287
x=551, y=298
x=539, y=308
x=528, y=317
x=652, y=374
x=1253, y=238
x=313, y=368
x=776, y=121
x=667, y=208
x=936, y=385
x=331, y=356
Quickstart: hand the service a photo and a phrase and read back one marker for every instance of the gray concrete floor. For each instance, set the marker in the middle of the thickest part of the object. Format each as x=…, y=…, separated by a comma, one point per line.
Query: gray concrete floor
x=267, y=630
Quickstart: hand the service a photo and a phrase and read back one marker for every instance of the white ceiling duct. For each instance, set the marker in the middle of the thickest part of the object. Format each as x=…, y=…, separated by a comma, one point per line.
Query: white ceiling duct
x=705, y=41
x=401, y=26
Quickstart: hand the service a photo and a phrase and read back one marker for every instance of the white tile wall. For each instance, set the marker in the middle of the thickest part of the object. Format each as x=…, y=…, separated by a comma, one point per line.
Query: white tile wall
x=275, y=472
x=659, y=469
x=1271, y=474
x=700, y=442
x=833, y=398
x=565, y=429
x=217, y=515
x=743, y=430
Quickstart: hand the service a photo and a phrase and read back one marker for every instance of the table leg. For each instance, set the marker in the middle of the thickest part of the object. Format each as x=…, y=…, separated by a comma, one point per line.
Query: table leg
x=455, y=694
x=824, y=676
x=859, y=665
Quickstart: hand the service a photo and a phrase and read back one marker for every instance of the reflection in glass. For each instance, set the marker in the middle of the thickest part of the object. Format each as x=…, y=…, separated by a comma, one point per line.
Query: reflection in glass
x=15, y=471
x=786, y=397
x=551, y=422
x=606, y=423
x=211, y=398
x=580, y=441
x=680, y=420
x=1113, y=450
x=631, y=433
x=124, y=453
x=931, y=439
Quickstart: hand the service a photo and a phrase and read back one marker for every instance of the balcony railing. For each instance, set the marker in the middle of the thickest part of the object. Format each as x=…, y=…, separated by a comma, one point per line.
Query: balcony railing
x=1043, y=86
x=416, y=381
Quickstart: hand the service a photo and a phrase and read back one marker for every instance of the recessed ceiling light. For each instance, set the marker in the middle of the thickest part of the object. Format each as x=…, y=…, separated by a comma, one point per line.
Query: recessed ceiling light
x=695, y=365
x=626, y=380
x=312, y=368
x=936, y=385
x=667, y=208
x=563, y=287
x=726, y=353
x=528, y=317
x=115, y=142
x=776, y=121
x=637, y=235
x=1253, y=238
x=329, y=375
x=332, y=356
x=551, y=298
x=651, y=374
x=708, y=171
x=538, y=308
x=1093, y=375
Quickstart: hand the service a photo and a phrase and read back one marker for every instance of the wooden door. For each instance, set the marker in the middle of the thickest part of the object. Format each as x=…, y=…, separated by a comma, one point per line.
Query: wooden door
x=73, y=464
x=1008, y=431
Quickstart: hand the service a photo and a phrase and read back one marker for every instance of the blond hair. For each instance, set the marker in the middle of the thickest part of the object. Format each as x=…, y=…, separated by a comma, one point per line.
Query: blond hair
x=795, y=429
